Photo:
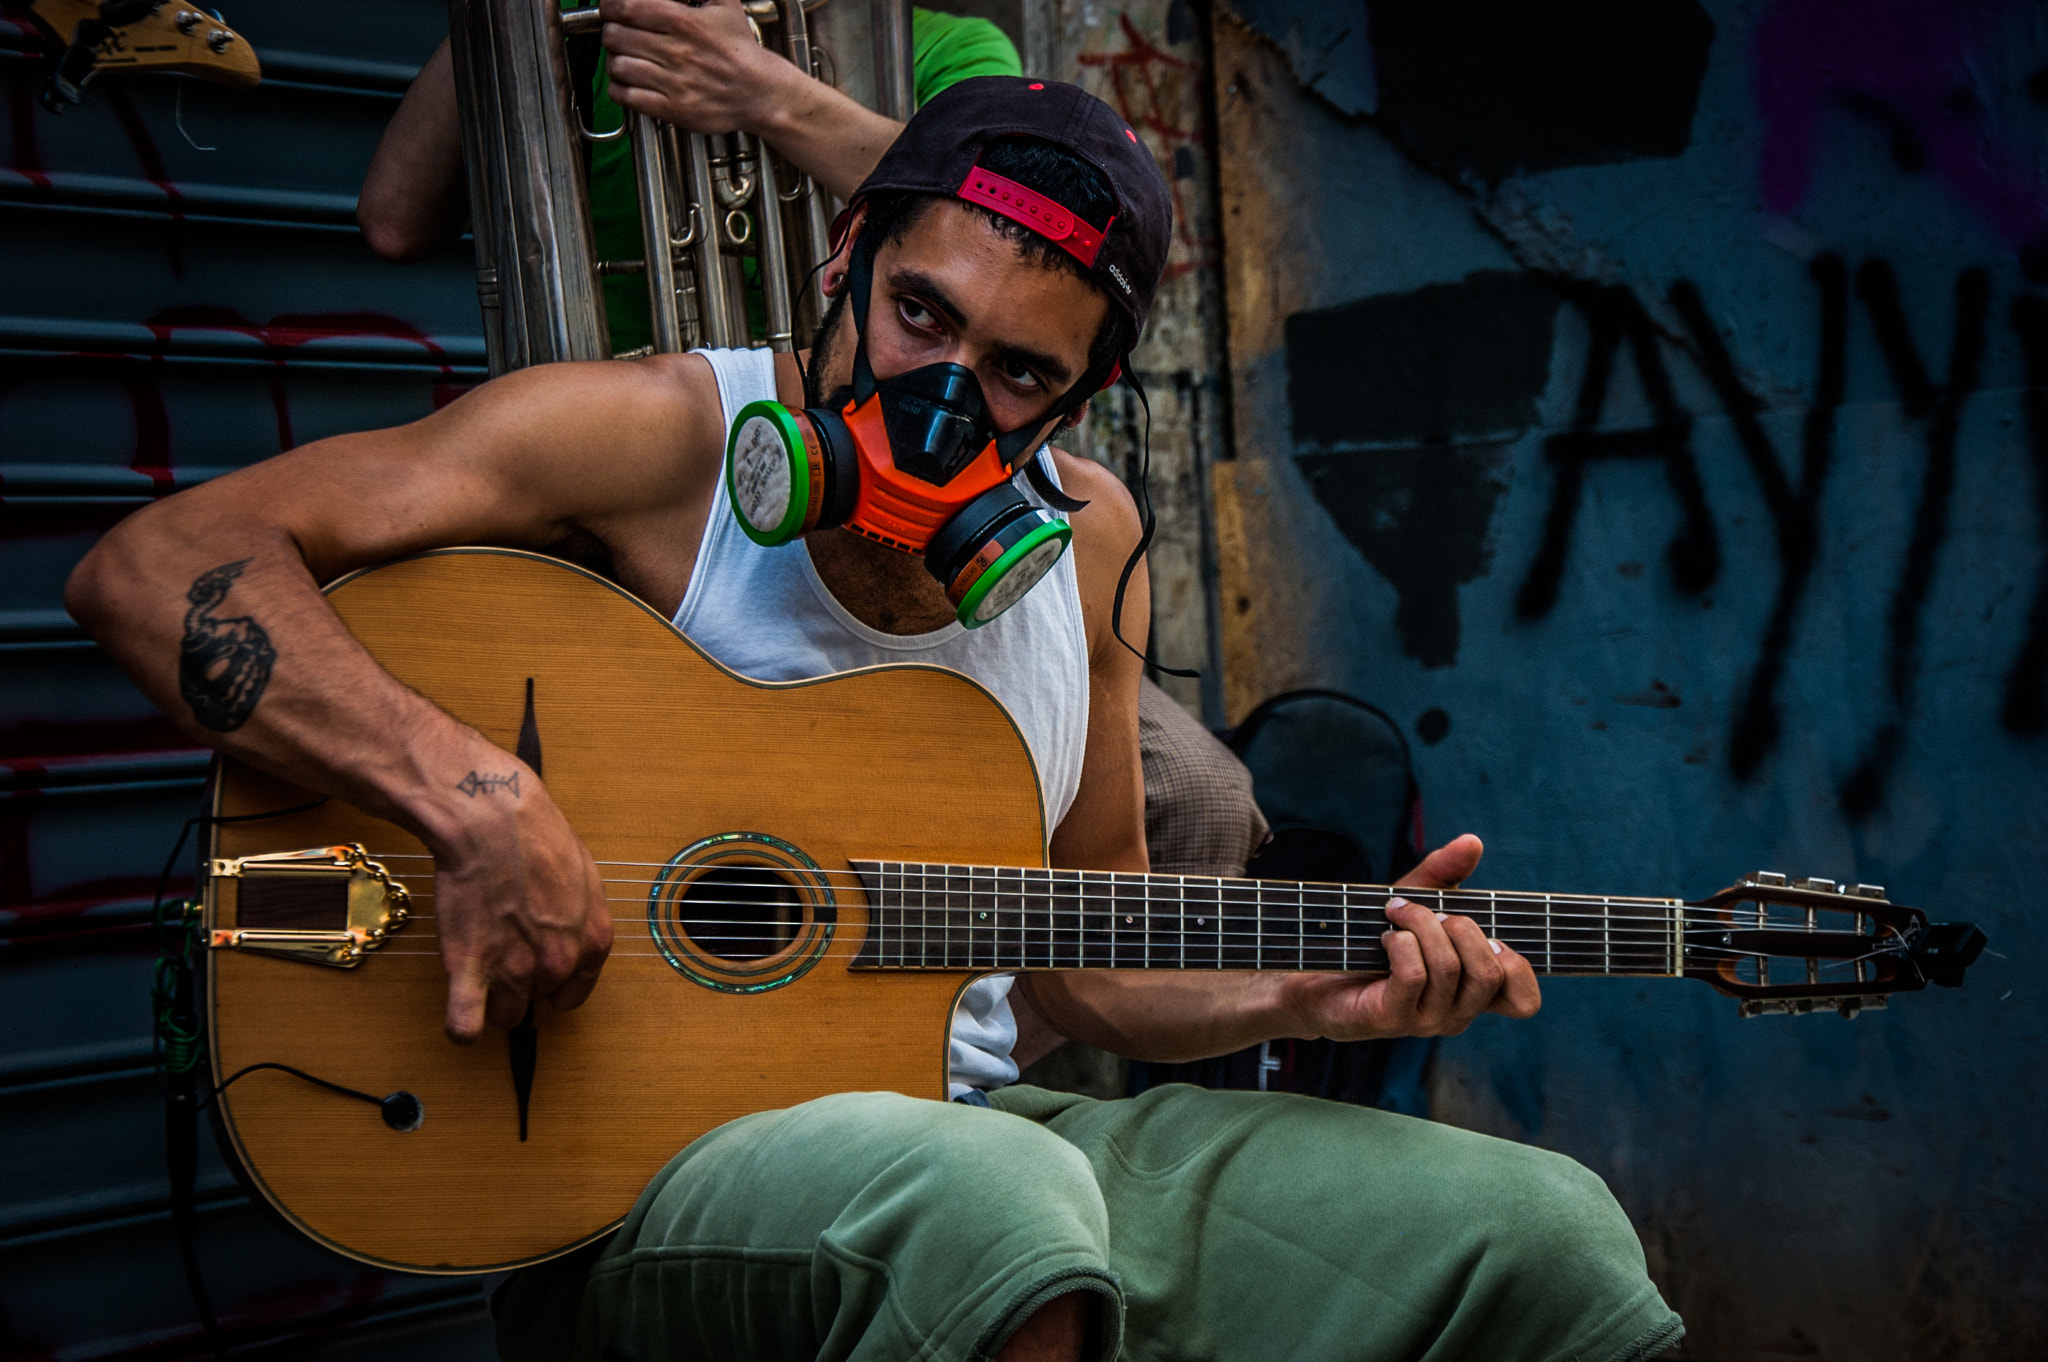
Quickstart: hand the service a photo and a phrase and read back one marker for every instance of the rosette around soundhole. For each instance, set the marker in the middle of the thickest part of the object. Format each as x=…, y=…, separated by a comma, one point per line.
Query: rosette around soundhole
x=741, y=912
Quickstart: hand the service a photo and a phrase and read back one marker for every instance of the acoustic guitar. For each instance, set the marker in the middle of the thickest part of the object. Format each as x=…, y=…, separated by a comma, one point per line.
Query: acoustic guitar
x=803, y=878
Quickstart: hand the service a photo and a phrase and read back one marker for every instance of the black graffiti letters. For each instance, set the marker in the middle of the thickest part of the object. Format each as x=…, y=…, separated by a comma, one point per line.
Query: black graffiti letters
x=1694, y=552
x=223, y=662
x=1863, y=792
x=1795, y=511
x=1793, y=496
x=2025, y=711
x=474, y=784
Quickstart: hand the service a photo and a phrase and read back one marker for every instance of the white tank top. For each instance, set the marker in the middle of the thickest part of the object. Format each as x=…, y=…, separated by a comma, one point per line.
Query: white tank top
x=765, y=613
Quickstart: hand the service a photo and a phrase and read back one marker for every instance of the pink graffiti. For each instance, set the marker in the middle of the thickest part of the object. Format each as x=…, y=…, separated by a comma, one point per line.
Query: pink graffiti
x=1910, y=65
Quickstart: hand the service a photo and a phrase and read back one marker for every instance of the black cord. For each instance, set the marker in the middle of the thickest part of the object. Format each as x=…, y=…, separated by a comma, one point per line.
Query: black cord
x=222, y=1087
x=796, y=353
x=163, y=881
x=1149, y=524
x=173, y=1004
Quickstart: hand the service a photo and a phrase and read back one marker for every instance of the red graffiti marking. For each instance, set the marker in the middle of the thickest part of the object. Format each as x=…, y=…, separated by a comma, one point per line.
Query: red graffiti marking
x=287, y=331
x=152, y=456
x=140, y=377
x=152, y=163
x=1134, y=83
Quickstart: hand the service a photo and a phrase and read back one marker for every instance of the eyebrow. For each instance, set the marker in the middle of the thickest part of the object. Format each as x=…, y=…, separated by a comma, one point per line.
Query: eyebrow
x=907, y=279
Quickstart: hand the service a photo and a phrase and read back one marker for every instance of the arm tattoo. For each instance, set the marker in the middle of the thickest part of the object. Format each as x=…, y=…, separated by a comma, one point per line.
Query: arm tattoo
x=223, y=663
x=474, y=784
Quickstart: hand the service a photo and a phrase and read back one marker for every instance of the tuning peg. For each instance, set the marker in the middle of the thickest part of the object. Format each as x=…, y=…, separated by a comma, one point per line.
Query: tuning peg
x=1848, y=1006
x=1868, y=891
x=1769, y=879
x=1818, y=885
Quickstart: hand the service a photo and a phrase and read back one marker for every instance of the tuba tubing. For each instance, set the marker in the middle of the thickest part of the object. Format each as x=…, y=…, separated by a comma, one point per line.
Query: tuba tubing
x=705, y=201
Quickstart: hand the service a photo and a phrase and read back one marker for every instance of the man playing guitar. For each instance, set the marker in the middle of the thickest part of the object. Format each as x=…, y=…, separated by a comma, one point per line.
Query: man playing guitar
x=995, y=271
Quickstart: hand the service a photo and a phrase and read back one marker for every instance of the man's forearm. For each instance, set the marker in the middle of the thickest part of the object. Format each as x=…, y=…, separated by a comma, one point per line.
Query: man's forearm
x=829, y=136
x=1166, y=1016
x=414, y=199
x=223, y=626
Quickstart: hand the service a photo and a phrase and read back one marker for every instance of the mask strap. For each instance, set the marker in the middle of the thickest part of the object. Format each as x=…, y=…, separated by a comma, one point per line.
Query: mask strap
x=1048, y=491
x=860, y=278
x=1116, y=617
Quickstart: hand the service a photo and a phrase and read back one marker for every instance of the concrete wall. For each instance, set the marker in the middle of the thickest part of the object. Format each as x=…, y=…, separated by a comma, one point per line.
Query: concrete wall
x=1149, y=60
x=1644, y=400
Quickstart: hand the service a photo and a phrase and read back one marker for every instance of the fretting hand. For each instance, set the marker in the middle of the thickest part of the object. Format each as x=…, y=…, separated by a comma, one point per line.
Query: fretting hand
x=1442, y=971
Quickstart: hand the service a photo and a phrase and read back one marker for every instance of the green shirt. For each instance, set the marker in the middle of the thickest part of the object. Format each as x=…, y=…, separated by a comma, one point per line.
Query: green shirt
x=945, y=48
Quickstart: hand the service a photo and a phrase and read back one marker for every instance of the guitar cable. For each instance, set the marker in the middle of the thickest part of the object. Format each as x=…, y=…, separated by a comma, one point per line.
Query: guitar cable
x=178, y=1049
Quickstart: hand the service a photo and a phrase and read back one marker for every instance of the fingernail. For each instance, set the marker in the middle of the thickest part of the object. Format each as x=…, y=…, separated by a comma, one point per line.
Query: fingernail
x=1443, y=917
x=1495, y=945
x=1397, y=903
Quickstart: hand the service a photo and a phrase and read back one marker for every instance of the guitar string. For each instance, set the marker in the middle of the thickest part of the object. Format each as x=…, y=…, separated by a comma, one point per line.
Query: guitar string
x=978, y=876
x=1572, y=968
x=1650, y=941
x=1229, y=924
x=1640, y=925
x=982, y=881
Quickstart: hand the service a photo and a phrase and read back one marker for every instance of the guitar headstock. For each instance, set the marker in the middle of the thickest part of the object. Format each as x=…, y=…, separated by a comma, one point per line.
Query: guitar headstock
x=96, y=36
x=1795, y=946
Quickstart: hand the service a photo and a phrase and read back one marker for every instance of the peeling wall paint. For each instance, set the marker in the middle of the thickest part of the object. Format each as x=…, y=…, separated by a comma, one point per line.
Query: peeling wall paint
x=1668, y=452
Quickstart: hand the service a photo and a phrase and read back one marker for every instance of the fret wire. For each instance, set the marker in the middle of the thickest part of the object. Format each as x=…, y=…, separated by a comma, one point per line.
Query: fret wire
x=1606, y=936
x=987, y=917
x=1259, y=924
x=1300, y=927
x=883, y=877
x=1145, y=886
x=1548, y=952
x=1182, y=882
x=1344, y=930
x=1110, y=915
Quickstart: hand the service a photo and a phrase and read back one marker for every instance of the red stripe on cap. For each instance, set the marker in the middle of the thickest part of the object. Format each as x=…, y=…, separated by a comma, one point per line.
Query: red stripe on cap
x=1033, y=209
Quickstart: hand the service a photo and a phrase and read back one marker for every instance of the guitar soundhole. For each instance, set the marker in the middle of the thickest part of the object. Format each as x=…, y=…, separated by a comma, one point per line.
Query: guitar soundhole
x=741, y=912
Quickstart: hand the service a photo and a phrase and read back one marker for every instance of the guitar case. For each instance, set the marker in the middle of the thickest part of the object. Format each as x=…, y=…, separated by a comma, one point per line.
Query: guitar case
x=1336, y=780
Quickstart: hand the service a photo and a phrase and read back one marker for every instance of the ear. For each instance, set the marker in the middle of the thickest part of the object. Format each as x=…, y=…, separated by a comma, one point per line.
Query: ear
x=1074, y=417
x=845, y=232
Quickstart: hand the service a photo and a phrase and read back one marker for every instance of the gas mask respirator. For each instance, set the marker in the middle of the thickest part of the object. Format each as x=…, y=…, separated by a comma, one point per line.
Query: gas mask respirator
x=914, y=462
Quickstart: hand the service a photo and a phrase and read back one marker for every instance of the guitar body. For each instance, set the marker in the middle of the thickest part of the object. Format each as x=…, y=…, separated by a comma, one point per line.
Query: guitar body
x=650, y=749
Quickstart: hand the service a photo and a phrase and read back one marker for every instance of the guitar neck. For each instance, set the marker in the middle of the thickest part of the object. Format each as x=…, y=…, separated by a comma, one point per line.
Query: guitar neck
x=956, y=917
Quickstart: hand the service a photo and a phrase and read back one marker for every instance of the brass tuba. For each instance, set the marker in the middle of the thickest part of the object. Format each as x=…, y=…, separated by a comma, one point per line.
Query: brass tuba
x=707, y=201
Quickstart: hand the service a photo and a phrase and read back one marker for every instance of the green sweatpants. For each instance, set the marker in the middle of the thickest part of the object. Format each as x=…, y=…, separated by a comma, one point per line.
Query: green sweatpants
x=1210, y=1225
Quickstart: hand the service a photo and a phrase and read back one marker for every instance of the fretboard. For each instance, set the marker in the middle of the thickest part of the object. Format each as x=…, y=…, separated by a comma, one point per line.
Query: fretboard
x=957, y=917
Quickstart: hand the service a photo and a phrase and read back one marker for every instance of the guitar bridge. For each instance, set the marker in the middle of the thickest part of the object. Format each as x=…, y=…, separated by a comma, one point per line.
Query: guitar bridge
x=321, y=906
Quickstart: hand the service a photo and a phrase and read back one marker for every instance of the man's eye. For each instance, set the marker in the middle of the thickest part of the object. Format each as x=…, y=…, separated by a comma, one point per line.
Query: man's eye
x=917, y=315
x=1020, y=375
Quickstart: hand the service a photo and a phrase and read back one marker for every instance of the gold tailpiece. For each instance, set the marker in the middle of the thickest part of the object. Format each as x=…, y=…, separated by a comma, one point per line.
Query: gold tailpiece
x=322, y=906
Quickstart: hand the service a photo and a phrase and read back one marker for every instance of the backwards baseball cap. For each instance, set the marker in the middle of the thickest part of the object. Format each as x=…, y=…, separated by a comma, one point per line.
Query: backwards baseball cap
x=938, y=153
